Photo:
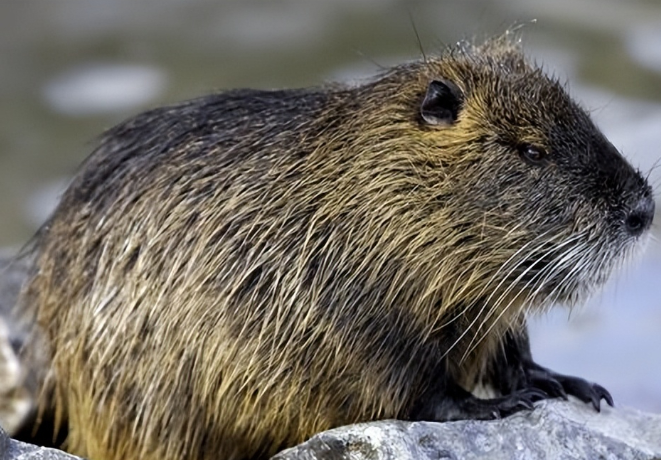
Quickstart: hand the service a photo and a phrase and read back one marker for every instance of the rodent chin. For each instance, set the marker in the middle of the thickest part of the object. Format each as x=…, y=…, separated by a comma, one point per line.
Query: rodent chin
x=567, y=270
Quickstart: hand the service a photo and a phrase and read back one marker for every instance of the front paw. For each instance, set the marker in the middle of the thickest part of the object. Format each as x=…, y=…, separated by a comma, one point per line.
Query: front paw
x=544, y=380
x=585, y=391
x=455, y=403
x=517, y=401
x=559, y=386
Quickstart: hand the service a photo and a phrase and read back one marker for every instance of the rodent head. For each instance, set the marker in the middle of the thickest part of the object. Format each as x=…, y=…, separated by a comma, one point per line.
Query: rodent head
x=540, y=205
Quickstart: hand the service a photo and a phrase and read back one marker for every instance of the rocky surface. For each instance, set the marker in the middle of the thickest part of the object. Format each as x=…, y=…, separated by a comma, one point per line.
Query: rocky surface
x=16, y=384
x=554, y=430
x=15, y=450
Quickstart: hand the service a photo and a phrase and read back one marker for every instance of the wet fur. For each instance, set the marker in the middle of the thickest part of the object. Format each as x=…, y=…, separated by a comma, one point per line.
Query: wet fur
x=228, y=276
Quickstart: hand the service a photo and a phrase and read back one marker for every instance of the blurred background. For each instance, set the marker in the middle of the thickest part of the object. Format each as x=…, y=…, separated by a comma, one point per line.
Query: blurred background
x=71, y=68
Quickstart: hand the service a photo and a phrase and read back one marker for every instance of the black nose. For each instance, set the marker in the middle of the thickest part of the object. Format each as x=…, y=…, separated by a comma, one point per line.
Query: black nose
x=641, y=216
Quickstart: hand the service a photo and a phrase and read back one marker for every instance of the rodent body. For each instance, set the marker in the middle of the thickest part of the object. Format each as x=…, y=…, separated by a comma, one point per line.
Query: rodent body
x=228, y=276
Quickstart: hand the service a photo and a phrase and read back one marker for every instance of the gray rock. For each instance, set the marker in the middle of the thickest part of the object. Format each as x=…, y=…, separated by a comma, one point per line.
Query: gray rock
x=17, y=382
x=11, y=449
x=554, y=430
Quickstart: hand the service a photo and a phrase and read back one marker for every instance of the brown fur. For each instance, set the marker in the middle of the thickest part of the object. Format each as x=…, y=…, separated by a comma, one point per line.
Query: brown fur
x=229, y=276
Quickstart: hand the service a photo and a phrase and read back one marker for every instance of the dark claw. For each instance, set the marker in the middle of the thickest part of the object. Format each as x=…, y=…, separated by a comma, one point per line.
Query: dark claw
x=523, y=405
x=587, y=392
x=519, y=400
x=537, y=394
x=550, y=385
x=599, y=394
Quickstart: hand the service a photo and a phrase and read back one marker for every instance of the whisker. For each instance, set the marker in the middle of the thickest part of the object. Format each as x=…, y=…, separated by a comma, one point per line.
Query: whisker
x=486, y=303
x=492, y=308
x=477, y=338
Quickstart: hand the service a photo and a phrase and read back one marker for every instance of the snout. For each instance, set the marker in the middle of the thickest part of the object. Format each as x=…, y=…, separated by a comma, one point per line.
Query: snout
x=639, y=219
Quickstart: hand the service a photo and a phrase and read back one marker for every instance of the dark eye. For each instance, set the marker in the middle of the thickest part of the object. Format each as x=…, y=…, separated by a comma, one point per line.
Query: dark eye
x=532, y=154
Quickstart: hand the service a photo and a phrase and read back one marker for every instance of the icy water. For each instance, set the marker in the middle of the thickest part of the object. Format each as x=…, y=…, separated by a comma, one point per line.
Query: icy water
x=71, y=68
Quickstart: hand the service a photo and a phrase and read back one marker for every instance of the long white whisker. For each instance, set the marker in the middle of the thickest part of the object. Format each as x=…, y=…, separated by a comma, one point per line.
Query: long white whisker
x=560, y=260
x=487, y=303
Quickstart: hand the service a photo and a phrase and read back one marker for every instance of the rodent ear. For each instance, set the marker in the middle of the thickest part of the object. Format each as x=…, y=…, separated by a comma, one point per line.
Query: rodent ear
x=442, y=103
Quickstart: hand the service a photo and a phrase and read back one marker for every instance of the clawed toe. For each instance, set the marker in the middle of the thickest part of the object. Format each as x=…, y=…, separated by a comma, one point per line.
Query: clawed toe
x=587, y=392
x=519, y=400
x=548, y=384
x=598, y=393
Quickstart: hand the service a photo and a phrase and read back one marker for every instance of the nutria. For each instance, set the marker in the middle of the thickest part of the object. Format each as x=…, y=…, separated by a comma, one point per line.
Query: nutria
x=225, y=277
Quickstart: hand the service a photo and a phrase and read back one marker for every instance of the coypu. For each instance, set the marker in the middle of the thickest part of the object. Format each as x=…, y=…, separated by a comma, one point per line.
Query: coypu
x=225, y=277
